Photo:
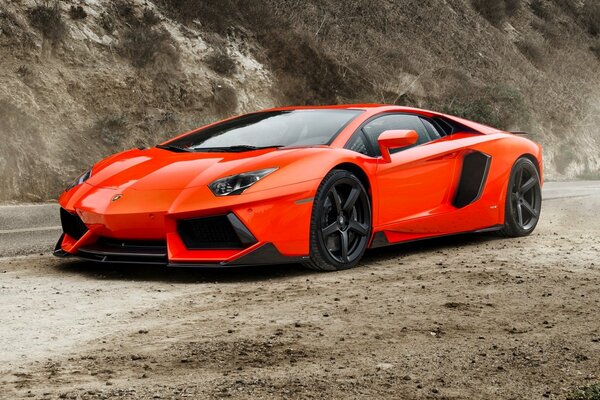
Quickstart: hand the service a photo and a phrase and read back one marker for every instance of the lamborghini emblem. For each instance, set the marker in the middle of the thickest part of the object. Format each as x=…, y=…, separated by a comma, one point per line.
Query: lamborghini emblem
x=117, y=197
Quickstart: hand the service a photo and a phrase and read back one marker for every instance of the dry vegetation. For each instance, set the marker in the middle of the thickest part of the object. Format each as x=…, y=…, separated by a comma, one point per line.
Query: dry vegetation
x=47, y=18
x=515, y=64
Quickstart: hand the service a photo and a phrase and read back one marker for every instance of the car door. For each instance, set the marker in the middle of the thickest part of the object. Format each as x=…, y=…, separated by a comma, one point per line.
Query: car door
x=416, y=184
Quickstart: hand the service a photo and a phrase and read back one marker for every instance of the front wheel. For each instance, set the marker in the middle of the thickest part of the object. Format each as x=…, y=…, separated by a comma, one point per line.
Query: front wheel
x=523, y=199
x=340, y=224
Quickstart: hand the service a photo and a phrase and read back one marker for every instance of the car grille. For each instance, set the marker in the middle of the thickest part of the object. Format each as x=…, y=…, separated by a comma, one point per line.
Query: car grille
x=217, y=232
x=72, y=225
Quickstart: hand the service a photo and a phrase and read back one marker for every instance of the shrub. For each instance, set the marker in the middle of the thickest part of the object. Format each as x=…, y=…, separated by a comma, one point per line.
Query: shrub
x=220, y=62
x=48, y=20
x=24, y=71
x=512, y=6
x=591, y=392
x=110, y=129
x=569, y=6
x=149, y=17
x=565, y=155
x=9, y=24
x=496, y=11
x=77, y=12
x=540, y=9
x=142, y=44
x=531, y=51
x=500, y=106
x=225, y=98
x=107, y=22
x=591, y=12
x=124, y=9
x=595, y=49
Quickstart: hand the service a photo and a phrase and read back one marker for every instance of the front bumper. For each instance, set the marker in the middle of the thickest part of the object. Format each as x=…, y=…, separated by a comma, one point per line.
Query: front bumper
x=268, y=227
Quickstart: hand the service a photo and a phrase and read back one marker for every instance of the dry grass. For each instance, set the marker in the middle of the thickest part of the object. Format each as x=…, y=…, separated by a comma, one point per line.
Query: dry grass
x=48, y=19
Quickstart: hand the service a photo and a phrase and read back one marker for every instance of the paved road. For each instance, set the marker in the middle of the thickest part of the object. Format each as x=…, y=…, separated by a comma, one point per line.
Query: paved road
x=35, y=228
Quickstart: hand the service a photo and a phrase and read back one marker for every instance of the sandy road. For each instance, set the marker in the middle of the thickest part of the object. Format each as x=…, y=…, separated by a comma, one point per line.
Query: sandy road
x=471, y=316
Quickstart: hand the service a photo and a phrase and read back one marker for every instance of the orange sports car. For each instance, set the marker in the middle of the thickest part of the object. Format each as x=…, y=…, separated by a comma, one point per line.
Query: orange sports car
x=314, y=185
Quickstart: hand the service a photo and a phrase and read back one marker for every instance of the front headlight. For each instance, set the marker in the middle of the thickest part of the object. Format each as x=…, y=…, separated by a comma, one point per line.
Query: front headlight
x=236, y=184
x=82, y=178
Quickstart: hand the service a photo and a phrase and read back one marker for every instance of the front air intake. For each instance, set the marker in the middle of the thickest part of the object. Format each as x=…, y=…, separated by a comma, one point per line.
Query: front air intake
x=218, y=232
x=72, y=225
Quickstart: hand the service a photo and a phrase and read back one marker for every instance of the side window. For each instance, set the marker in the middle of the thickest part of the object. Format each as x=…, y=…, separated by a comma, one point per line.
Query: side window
x=392, y=122
x=358, y=143
x=431, y=129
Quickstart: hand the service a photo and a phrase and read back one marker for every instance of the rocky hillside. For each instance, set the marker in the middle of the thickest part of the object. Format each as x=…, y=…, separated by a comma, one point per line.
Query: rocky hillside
x=81, y=79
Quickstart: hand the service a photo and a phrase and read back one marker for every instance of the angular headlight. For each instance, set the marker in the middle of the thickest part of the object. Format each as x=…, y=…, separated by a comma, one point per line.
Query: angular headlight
x=236, y=184
x=82, y=178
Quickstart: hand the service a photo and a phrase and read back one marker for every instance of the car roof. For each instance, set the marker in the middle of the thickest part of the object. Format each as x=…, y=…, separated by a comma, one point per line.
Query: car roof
x=374, y=108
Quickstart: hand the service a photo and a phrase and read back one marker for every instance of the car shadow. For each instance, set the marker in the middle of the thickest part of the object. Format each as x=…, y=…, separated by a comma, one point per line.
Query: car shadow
x=146, y=272
x=158, y=273
x=428, y=246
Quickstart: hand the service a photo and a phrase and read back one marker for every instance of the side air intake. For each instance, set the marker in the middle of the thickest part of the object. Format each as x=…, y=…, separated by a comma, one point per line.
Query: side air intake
x=72, y=225
x=472, y=178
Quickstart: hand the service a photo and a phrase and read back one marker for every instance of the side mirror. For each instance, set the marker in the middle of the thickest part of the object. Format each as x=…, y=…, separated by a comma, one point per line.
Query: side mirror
x=395, y=139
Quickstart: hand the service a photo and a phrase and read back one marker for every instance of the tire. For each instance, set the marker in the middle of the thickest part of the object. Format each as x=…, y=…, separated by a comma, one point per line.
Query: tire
x=523, y=200
x=340, y=226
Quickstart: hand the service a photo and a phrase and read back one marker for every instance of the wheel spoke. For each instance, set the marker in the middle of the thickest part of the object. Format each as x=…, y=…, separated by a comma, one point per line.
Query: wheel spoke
x=515, y=197
x=336, y=200
x=520, y=214
x=351, y=200
x=519, y=178
x=329, y=230
x=358, y=228
x=344, y=245
x=527, y=185
x=529, y=209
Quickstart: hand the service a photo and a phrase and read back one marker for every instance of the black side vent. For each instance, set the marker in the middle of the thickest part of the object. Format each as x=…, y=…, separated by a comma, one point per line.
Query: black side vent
x=218, y=232
x=72, y=225
x=472, y=178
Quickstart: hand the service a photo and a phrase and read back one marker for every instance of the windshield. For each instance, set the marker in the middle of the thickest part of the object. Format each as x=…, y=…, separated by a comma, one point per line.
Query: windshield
x=268, y=129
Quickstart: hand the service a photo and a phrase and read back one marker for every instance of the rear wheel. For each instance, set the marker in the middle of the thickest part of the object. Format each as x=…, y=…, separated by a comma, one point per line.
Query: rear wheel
x=340, y=224
x=523, y=199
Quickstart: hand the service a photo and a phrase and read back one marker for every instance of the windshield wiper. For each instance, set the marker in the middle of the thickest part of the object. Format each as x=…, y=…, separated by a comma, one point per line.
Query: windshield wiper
x=171, y=147
x=237, y=148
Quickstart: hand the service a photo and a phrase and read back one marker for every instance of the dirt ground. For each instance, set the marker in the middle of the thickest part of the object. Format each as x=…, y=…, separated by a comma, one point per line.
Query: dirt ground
x=467, y=317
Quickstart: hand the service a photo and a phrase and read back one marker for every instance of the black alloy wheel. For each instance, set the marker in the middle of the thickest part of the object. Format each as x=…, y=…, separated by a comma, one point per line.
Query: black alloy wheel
x=523, y=199
x=340, y=223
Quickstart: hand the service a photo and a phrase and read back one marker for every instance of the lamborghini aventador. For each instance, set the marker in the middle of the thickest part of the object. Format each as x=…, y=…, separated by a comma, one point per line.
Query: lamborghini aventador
x=314, y=185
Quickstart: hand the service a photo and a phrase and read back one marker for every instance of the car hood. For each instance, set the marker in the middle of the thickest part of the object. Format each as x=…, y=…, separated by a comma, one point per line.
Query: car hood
x=159, y=169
